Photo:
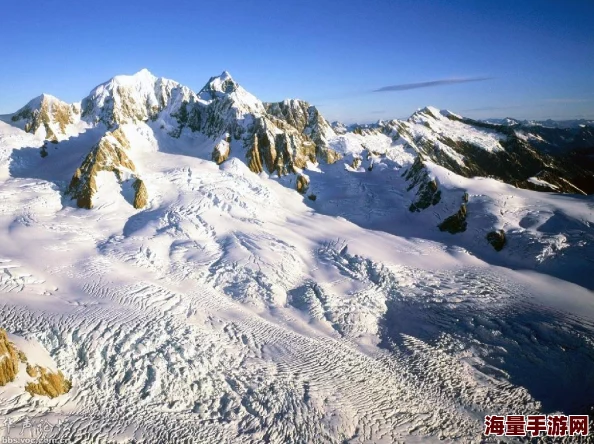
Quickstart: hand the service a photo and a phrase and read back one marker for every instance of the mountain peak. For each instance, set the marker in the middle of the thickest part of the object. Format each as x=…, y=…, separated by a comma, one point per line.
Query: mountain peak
x=431, y=110
x=223, y=83
x=36, y=102
x=143, y=72
x=48, y=114
x=225, y=75
x=128, y=98
x=142, y=77
x=224, y=88
x=46, y=96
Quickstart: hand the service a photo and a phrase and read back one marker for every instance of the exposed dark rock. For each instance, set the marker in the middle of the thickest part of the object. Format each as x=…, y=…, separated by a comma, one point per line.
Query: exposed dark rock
x=455, y=223
x=302, y=183
x=140, y=195
x=254, y=161
x=497, y=239
x=428, y=192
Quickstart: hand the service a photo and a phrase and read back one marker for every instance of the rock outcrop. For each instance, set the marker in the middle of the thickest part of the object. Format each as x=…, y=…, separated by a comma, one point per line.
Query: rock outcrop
x=497, y=239
x=303, y=117
x=456, y=223
x=222, y=150
x=9, y=359
x=308, y=121
x=427, y=192
x=110, y=154
x=253, y=158
x=140, y=194
x=45, y=382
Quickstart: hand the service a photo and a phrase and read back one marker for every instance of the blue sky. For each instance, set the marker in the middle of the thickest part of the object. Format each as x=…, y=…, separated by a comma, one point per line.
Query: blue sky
x=527, y=59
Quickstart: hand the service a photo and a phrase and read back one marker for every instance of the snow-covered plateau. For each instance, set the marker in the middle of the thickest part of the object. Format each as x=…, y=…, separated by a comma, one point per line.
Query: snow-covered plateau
x=204, y=267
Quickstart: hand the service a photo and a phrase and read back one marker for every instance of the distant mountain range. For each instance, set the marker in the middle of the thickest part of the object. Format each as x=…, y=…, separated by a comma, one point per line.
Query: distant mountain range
x=283, y=137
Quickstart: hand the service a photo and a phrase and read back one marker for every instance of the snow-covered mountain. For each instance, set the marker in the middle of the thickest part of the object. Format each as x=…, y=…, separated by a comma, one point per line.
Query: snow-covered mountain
x=208, y=267
x=48, y=117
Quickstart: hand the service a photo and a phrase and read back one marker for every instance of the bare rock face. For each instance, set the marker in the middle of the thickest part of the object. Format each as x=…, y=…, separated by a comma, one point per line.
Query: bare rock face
x=49, y=114
x=456, y=223
x=108, y=155
x=9, y=359
x=497, y=239
x=308, y=122
x=302, y=183
x=280, y=148
x=47, y=383
x=140, y=194
x=301, y=150
x=254, y=161
x=283, y=164
x=428, y=192
x=277, y=138
x=222, y=150
x=304, y=117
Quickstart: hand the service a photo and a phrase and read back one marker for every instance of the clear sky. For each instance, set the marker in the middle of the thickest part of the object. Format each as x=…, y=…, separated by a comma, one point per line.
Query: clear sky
x=521, y=58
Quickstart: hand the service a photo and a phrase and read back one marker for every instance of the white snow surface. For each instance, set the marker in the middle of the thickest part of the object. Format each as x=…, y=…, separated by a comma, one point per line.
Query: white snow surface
x=135, y=98
x=233, y=309
x=542, y=183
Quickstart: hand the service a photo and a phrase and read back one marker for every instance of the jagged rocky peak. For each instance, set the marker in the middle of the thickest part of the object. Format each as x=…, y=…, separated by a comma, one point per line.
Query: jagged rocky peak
x=47, y=116
x=110, y=154
x=222, y=84
x=276, y=139
x=425, y=187
x=134, y=98
x=304, y=117
x=223, y=89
